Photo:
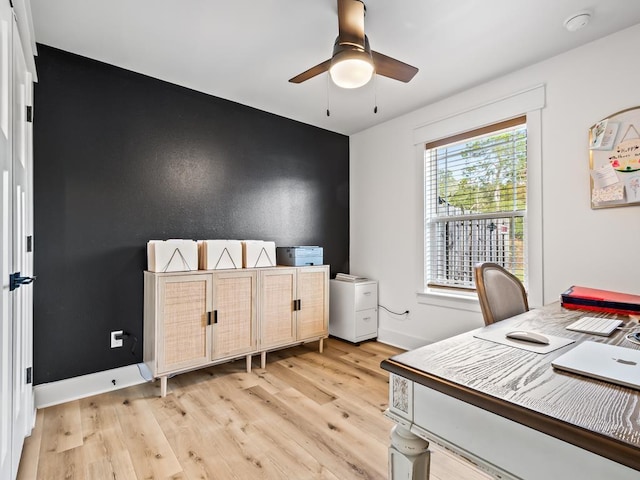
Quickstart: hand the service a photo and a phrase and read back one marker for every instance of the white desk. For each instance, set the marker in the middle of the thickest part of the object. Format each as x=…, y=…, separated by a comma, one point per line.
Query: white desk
x=510, y=412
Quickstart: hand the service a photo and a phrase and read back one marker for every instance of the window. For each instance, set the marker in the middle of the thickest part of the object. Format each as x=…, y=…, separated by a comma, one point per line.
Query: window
x=476, y=203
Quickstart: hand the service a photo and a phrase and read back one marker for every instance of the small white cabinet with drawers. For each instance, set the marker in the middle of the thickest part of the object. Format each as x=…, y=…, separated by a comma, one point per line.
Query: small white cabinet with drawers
x=354, y=310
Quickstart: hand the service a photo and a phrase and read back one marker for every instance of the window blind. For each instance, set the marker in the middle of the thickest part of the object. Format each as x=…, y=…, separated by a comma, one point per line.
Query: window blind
x=475, y=203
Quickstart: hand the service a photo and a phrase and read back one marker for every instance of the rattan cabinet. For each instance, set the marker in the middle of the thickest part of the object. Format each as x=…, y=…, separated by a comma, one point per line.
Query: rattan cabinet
x=277, y=307
x=200, y=318
x=312, y=314
x=234, y=314
x=179, y=333
x=293, y=305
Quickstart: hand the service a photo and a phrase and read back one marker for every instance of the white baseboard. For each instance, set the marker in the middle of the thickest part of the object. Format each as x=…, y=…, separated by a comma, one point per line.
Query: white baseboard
x=401, y=340
x=55, y=393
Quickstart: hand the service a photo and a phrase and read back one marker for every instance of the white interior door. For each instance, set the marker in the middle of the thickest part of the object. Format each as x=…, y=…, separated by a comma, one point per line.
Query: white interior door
x=16, y=230
x=22, y=221
x=6, y=329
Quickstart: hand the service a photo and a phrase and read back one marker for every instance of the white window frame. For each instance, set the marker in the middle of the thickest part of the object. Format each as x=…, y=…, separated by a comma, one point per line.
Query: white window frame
x=527, y=103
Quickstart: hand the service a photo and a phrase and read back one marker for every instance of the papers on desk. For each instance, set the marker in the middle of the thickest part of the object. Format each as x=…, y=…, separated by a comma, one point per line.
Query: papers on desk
x=498, y=335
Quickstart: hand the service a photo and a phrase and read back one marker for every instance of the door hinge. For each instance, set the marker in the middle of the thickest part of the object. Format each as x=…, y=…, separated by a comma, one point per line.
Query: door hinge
x=29, y=113
x=29, y=380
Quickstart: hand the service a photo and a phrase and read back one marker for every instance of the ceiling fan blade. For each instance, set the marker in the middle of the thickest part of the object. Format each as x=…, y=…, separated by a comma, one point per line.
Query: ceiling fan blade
x=351, y=22
x=392, y=68
x=312, y=72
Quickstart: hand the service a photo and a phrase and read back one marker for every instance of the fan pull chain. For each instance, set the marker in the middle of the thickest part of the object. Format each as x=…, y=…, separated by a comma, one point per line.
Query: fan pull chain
x=328, y=112
x=375, y=93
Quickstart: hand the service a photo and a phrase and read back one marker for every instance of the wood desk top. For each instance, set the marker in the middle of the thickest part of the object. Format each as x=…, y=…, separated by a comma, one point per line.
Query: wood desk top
x=523, y=386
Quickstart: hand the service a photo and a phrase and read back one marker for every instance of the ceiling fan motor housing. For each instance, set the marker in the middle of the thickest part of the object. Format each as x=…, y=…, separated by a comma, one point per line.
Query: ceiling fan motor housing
x=345, y=49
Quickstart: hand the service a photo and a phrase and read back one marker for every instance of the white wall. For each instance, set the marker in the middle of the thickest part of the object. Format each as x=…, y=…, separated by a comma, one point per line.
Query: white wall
x=596, y=248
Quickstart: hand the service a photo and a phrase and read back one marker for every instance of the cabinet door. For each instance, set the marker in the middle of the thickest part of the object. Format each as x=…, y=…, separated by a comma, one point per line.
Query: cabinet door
x=184, y=303
x=277, y=316
x=313, y=313
x=234, y=313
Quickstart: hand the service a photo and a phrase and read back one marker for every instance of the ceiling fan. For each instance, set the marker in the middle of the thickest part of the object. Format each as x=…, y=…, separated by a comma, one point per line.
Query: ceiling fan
x=353, y=62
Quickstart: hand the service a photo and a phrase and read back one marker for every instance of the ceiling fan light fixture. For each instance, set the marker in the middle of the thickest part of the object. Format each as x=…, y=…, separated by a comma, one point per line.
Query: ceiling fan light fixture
x=351, y=69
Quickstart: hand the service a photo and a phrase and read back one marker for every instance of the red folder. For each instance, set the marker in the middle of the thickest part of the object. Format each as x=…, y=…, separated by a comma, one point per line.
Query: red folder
x=584, y=298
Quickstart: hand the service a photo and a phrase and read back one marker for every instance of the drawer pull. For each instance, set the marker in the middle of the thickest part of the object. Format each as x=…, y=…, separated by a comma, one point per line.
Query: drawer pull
x=366, y=293
x=215, y=317
x=366, y=319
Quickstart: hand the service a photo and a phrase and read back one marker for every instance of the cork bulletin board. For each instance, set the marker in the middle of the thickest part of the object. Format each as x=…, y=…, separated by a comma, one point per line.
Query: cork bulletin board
x=614, y=160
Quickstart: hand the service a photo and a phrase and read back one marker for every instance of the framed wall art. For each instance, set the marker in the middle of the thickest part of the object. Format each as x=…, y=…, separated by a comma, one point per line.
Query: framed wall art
x=614, y=160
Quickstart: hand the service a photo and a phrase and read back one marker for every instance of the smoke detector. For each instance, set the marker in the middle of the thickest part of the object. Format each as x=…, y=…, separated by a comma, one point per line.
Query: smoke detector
x=577, y=21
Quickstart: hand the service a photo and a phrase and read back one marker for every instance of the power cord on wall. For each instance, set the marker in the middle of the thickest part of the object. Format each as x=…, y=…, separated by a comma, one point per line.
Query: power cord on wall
x=124, y=335
x=399, y=314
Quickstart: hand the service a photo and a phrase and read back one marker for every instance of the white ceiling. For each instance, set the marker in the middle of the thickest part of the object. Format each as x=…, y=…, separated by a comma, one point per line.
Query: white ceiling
x=246, y=50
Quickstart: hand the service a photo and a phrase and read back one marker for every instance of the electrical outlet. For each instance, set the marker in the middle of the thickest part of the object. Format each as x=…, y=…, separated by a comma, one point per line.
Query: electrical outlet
x=116, y=342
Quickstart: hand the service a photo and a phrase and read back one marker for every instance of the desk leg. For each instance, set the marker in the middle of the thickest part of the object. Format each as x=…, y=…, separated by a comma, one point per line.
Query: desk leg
x=409, y=455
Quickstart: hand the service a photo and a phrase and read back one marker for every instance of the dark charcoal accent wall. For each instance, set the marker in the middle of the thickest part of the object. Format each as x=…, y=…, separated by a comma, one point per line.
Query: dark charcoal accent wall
x=121, y=158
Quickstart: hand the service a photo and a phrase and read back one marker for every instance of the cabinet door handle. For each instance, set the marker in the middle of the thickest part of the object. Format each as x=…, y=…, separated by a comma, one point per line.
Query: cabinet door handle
x=366, y=293
x=299, y=304
x=366, y=319
x=215, y=317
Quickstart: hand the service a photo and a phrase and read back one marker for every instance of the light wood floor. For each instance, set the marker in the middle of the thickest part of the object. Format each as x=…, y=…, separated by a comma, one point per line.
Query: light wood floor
x=306, y=416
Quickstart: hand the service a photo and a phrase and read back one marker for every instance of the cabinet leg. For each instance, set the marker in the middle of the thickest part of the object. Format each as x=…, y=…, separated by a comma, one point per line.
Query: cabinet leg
x=321, y=345
x=249, y=363
x=263, y=359
x=409, y=455
x=163, y=386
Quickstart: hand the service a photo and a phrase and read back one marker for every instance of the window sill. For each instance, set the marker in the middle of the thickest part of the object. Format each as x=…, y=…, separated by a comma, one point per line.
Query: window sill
x=457, y=300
